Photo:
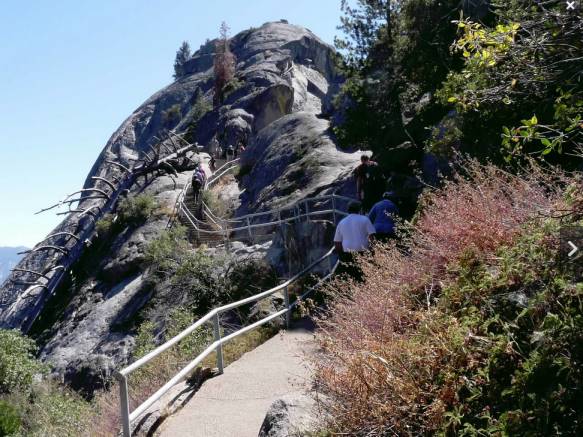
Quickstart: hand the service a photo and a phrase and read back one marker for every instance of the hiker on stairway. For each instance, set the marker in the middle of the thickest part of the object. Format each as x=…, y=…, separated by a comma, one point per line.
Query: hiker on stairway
x=240, y=148
x=215, y=147
x=198, y=182
x=382, y=215
x=353, y=235
x=370, y=182
x=230, y=153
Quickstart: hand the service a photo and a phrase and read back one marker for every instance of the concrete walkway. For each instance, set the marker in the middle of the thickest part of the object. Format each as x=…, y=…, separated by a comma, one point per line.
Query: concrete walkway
x=234, y=404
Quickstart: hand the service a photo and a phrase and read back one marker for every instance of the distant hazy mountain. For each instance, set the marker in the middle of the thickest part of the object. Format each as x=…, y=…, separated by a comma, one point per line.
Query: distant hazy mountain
x=8, y=259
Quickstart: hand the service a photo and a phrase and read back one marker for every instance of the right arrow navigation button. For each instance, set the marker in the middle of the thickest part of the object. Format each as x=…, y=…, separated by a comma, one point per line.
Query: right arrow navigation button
x=571, y=249
x=574, y=249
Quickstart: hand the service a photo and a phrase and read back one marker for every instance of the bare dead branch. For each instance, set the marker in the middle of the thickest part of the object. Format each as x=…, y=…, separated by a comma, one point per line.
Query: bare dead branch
x=50, y=247
x=68, y=201
x=110, y=184
x=30, y=271
x=117, y=164
x=79, y=211
x=60, y=234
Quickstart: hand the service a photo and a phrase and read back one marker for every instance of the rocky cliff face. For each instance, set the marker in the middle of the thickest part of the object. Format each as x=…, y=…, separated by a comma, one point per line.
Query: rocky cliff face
x=277, y=106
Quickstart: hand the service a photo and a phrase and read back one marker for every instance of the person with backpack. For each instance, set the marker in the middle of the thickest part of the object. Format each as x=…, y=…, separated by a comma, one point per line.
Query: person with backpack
x=382, y=215
x=203, y=175
x=370, y=183
x=196, y=186
x=198, y=182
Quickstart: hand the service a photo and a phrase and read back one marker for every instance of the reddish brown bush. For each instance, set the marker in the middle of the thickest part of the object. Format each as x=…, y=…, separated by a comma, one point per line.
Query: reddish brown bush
x=383, y=341
x=224, y=64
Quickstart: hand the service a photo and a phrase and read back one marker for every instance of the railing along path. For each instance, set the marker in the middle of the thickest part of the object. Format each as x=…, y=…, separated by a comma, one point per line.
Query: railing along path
x=252, y=223
x=258, y=225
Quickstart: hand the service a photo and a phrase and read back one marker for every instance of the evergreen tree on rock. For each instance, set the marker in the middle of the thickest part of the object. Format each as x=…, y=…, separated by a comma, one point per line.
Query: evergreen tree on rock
x=182, y=55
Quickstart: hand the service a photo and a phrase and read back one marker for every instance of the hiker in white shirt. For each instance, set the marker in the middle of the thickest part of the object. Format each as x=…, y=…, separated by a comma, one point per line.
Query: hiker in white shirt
x=354, y=231
x=353, y=234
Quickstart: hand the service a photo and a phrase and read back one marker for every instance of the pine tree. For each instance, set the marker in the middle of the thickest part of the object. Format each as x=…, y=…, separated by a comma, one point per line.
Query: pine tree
x=182, y=55
x=224, y=65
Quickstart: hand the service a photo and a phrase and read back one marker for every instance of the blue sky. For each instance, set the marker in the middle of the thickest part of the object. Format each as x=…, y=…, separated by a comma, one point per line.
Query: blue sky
x=72, y=70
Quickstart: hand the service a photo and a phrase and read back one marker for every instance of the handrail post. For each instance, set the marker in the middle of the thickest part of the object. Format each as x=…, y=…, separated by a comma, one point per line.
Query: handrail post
x=286, y=303
x=249, y=229
x=125, y=405
x=307, y=210
x=330, y=264
x=219, y=349
x=334, y=208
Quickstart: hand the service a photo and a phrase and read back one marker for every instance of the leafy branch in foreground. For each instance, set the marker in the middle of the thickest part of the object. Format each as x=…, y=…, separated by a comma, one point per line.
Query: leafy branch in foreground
x=529, y=63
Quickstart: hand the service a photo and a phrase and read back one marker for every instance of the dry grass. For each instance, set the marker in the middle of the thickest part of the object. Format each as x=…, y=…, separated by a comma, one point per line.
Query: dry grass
x=239, y=346
x=383, y=341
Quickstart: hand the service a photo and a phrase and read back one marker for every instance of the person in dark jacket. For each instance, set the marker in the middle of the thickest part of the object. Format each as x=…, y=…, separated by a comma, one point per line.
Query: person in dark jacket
x=382, y=215
x=198, y=182
x=370, y=182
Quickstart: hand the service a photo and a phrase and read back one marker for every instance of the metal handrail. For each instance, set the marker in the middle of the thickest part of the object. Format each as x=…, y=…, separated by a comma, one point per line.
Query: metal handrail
x=281, y=210
x=221, y=171
x=122, y=375
x=296, y=216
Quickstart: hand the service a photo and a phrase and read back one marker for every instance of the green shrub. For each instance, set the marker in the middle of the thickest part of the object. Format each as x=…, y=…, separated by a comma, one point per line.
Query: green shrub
x=48, y=410
x=200, y=108
x=105, y=225
x=232, y=86
x=251, y=276
x=218, y=206
x=9, y=419
x=131, y=211
x=36, y=407
x=243, y=171
x=164, y=253
x=171, y=117
x=17, y=363
x=201, y=277
x=56, y=411
x=134, y=211
x=526, y=311
x=193, y=278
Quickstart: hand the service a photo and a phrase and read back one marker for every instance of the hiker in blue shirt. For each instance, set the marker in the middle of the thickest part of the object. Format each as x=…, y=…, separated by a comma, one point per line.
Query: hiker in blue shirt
x=382, y=217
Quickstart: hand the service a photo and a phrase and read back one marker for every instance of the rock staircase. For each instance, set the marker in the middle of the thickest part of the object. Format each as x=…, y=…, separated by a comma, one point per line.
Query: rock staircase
x=201, y=229
x=195, y=206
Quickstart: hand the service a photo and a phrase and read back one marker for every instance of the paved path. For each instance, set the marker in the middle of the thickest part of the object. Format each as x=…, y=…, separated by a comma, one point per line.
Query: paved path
x=234, y=404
